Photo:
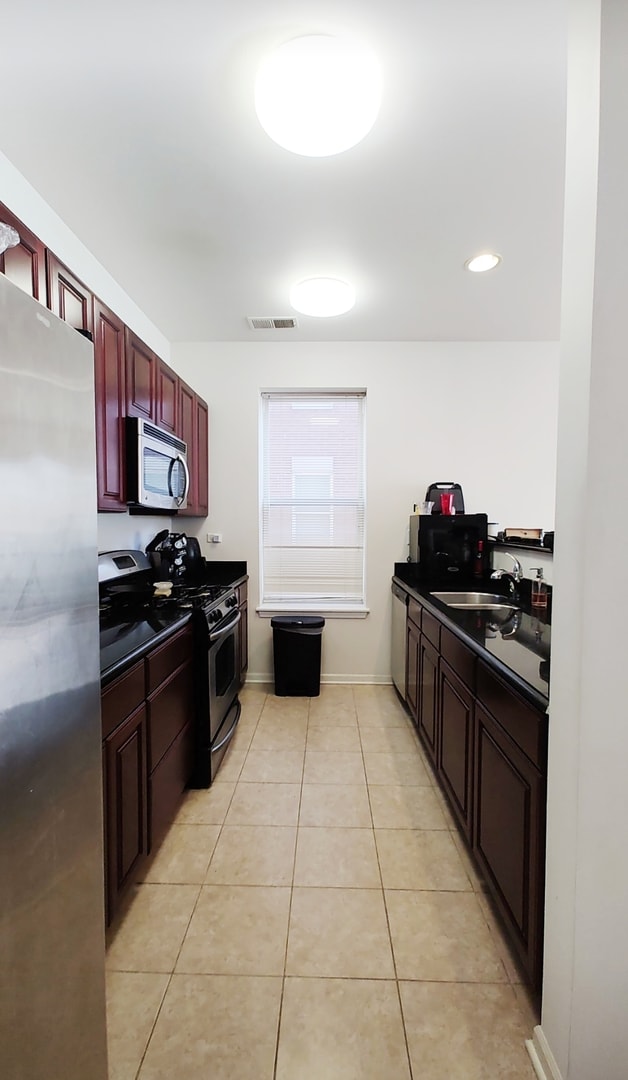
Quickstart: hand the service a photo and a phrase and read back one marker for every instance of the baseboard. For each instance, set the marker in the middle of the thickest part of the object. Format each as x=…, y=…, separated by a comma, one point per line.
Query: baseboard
x=541, y=1056
x=328, y=680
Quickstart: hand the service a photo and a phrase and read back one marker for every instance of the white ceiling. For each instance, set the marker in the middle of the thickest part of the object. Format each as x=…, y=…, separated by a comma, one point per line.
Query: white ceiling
x=135, y=122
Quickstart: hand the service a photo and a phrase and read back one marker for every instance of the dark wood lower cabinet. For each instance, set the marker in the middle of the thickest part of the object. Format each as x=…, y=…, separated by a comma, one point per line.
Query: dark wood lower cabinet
x=509, y=836
x=126, y=804
x=148, y=746
x=455, y=744
x=428, y=695
x=413, y=642
x=166, y=784
x=488, y=745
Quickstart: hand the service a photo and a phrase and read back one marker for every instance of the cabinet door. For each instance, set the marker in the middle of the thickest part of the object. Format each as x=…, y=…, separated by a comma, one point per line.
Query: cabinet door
x=193, y=428
x=110, y=408
x=455, y=744
x=201, y=462
x=25, y=264
x=167, y=398
x=413, y=637
x=171, y=708
x=187, y=423
x=141, y=378
x=67, y=296
x=509, y=836
x=126, y=805
x=428, y=695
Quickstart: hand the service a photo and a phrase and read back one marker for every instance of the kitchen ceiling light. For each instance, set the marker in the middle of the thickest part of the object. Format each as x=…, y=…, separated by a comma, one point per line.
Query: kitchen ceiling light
x=479, y=263
x=322, y=297
x=318, y=95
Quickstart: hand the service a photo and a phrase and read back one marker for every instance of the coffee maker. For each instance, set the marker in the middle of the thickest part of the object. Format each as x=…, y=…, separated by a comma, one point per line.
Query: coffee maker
x=446, y=547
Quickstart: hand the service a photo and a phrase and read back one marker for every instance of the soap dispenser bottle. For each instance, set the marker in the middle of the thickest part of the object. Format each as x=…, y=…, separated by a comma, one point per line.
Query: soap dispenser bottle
x=538, y=596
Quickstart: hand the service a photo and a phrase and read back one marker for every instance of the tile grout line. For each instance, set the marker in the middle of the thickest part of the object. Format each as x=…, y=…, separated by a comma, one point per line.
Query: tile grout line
x=390, y=941
x=294, y=863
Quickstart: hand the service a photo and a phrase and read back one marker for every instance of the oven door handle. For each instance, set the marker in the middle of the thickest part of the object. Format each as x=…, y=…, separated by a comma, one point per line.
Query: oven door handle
x=238, y=707
x=224, y=630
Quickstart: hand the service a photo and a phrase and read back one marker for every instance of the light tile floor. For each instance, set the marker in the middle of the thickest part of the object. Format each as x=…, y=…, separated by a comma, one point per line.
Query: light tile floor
x=314, y=916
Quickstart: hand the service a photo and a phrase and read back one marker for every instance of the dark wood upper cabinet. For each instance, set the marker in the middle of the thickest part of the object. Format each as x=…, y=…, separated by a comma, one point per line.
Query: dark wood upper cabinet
x=25, y=264
x=202, y=457
x=167, y=398
x=141, y=378
x=109, y=364
x=193, y=428
x=130, y=379
x=67, y=296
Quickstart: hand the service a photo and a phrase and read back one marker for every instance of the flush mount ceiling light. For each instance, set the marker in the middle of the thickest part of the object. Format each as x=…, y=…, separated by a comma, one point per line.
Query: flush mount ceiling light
x=479, y=263
x=318, y=95
x=322, y=297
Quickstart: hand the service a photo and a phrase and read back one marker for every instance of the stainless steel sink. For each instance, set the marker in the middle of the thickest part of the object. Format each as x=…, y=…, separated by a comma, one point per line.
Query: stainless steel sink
x=479, y=601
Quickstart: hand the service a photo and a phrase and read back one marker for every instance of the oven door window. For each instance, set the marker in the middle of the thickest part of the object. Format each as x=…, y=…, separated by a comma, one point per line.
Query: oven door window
x=163, y=475
x=224, y=666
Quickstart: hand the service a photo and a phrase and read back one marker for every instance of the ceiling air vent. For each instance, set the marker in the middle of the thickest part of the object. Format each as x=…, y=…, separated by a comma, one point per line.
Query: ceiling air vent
x=272, y=322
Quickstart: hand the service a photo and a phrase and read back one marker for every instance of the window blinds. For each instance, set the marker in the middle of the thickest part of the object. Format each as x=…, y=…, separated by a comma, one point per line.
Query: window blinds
x=312, y=493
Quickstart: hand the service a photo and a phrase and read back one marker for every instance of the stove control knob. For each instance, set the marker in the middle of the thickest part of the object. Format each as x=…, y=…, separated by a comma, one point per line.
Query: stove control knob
x=231, y=602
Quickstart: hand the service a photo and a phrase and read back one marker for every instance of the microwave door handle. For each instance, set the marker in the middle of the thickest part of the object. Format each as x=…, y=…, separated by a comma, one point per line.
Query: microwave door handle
x=183, y=462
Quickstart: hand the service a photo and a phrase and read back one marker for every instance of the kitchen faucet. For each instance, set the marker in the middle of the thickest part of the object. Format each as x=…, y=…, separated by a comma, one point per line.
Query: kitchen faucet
x=513, y=576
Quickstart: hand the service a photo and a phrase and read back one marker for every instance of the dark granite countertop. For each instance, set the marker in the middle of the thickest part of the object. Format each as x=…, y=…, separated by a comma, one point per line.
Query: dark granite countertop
x=124, y=640
x=519, y=649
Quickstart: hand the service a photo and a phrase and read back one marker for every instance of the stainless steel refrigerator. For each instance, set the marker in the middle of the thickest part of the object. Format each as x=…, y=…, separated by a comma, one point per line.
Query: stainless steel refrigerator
x=52, y=987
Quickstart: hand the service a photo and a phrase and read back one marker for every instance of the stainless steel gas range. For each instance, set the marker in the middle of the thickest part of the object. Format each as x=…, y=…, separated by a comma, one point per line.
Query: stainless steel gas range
x=133, y=619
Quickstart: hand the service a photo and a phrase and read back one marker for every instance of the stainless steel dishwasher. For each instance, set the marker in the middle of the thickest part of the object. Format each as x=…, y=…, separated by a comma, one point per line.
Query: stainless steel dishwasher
x=398, y=651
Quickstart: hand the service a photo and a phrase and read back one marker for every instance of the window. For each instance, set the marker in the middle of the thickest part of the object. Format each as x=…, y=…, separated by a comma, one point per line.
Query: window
x=312, y=500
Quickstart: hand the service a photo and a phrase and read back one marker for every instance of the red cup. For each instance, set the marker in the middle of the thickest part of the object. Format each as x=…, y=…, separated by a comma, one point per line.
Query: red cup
x=447, y=502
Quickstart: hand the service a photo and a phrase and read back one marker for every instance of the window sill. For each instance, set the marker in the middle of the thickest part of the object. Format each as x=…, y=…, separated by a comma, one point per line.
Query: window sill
x=309, y=609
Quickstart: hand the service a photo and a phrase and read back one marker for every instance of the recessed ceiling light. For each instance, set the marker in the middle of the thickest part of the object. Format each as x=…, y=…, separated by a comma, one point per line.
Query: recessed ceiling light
x=318, y=95
x=322, y=297
x=479, y=263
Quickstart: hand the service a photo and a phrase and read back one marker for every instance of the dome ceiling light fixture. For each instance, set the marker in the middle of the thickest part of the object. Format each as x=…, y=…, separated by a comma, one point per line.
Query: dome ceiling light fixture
x=322, y=297
x=488, y=260
x=318, y=95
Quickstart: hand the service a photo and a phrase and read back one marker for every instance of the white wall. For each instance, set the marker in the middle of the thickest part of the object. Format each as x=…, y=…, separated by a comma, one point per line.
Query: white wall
x=483, y=415
x=24, y=201
x=585, y=993
x=133, y=530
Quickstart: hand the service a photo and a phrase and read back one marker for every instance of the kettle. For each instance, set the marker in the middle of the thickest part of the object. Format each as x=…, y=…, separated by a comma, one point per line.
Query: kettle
x=175, y=557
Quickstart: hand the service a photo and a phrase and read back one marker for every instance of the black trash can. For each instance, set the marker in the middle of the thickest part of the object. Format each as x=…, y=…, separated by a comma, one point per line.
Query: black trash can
x=297, y=654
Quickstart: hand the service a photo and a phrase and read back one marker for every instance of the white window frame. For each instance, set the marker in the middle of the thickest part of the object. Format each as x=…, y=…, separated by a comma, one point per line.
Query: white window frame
x=324, y=603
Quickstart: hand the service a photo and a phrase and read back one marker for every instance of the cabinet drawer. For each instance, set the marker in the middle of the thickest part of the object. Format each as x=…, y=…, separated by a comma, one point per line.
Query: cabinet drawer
x=459, y=657
x=243, y=593
x=414, y=612
x=167, y=784
x=431, y=628
x=120, y=698
x=168, y=657
x=526, y=725
x=169, y=710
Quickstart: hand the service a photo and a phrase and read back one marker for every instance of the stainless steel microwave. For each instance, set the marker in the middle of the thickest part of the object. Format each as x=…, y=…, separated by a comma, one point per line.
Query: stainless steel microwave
x=158, y=477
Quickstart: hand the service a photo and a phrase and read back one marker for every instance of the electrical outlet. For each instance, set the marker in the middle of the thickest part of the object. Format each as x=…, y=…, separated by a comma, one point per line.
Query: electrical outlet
x=214, y=538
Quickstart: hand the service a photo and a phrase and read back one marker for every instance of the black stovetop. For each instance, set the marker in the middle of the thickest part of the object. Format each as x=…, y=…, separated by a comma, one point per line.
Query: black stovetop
x=132, y=618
